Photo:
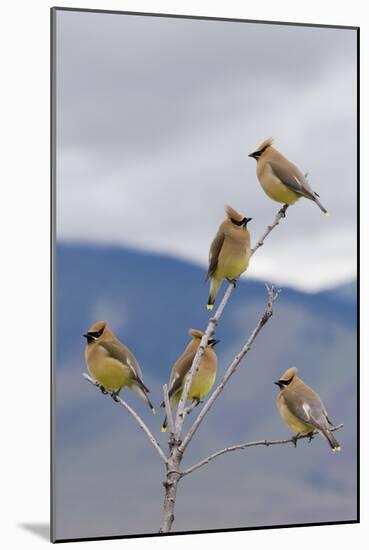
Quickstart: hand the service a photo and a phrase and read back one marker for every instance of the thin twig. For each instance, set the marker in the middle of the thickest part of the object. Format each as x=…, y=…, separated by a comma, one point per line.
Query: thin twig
x=168, y=410
x=213, y=321
x=279, y=216
x=264, y=442
x=272, y=296
x=138, y=419
x=190, y=408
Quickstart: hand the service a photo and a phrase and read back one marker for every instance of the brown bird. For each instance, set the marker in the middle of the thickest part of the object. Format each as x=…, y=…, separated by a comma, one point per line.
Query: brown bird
x=111, y=363
x=302, y=409
x=229, y=253
x=204, y=378
x=281, y=180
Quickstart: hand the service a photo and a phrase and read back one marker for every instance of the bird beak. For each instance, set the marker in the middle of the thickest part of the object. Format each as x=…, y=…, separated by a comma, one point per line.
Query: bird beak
x=85, y=335
x=253, y=155
x=213, y=342
x=278, y=384
x=246, y=221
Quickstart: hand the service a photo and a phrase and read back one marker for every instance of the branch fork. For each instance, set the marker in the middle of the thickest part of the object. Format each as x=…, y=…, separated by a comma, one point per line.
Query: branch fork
x=177, y=444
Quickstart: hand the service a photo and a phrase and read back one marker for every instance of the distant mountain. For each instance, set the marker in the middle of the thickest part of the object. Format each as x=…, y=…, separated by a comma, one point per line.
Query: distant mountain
x=346, y=293
x=150, y=302
x=154, y=297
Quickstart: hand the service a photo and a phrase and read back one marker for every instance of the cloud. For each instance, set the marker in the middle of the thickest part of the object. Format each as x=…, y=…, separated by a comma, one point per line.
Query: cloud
x=155, y=120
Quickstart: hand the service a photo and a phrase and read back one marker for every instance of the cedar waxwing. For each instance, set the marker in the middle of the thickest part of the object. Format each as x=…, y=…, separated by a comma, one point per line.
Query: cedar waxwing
x=204, y=378
x=302, y=409
x=111, y=364
x=281, y=180
x=229, y=252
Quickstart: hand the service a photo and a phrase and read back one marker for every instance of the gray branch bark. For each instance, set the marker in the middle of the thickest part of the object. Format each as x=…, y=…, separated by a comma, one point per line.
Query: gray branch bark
x=213, y=321
x=168, y=411
x=133, y=413
x=272, y=296
x=241, y=446
x=279, y=216
x=176, y=445
x=175, y=425
x=210, y=330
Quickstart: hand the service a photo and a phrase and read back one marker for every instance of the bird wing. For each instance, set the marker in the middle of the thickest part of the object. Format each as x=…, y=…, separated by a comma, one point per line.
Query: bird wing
x=123, y=355
x=179, y=371
x=293, y=179
x=215, y=248
x=309, y=410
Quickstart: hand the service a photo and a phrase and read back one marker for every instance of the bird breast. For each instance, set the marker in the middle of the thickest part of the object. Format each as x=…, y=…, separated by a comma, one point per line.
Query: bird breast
x=273, y=186
x=107, y=371
x=295, y=424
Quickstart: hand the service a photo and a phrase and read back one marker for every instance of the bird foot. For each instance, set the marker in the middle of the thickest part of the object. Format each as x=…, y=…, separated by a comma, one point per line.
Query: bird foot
x=233, y=282
x=282, y=211
x=294, y=439
x=103, y=390
x=115, y=395
x=311, y=437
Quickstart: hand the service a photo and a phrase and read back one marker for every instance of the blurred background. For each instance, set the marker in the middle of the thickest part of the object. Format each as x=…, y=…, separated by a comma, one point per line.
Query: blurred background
x=155, y=118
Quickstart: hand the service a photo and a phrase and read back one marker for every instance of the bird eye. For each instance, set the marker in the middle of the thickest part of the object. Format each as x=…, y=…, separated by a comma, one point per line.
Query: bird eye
x=235, y=222
x=96, y=334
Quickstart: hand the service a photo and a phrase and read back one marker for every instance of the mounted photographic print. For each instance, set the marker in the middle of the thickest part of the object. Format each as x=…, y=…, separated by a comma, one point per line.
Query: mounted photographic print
x=204, y=227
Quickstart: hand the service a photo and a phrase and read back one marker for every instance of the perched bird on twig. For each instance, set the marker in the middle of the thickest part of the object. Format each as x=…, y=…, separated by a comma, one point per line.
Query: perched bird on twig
x=111, y=363
x=229, y=253
x=204, y=378
x=302, y=409
x=281, y=180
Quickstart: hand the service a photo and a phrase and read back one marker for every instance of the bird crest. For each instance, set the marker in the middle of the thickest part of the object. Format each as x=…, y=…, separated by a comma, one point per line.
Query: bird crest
x=289, y=373
x=195, y=333
x=267, y=143
x=233, y=214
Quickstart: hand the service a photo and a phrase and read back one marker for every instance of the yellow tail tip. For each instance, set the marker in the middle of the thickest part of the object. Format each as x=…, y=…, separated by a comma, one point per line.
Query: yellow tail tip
x=337, y=449
x=210, y=306
x=326, y=214
x=163, y=429
x=153, y=410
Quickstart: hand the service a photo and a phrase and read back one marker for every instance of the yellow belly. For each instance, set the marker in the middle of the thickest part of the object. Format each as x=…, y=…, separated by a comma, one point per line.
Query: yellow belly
x=231, y=268
x=294, y=423
x=111, y=374
x=200, y=387
x=278, y=192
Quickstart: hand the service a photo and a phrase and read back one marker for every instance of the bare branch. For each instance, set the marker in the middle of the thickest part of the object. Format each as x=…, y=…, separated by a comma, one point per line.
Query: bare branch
x=168, y=410
x=190, y=408
x=213, y=321
x=138, y=419
x=264, y=442
x=280, y=214
x=272, y=296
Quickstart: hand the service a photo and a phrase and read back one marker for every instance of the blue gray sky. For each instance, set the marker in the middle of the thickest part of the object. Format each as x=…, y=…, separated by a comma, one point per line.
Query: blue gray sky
x=156, y=117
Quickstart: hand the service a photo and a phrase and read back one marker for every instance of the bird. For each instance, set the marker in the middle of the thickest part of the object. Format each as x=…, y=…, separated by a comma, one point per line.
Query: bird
x=229, y=253
x=204, y=378
x=302, y=409
x=112, y=364
x=281, y=180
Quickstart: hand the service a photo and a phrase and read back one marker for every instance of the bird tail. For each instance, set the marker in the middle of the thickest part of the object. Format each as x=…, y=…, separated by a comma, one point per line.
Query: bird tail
x=324, y=210
x=164, y=425
x=142, y=392
x=335, y=446
x=214, y=289
x=173, y=402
